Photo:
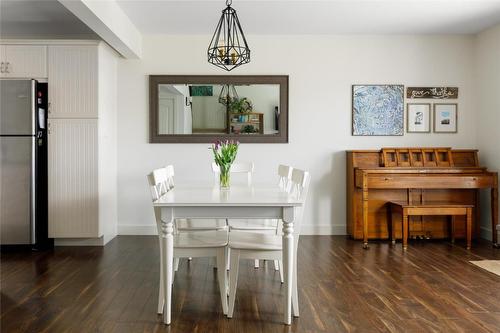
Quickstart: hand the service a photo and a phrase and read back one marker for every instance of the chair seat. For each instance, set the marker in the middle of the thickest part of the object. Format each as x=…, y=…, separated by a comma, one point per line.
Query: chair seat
x=202, y=239
x=243, y=240
x=200, y=224
x=252, y=224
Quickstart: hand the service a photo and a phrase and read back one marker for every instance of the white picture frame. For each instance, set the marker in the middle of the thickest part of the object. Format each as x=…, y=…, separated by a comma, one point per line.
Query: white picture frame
x=418, y=118
x=445, y=118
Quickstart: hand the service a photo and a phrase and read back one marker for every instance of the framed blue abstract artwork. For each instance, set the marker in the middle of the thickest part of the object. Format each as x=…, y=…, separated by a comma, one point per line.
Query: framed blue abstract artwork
x=378, y=109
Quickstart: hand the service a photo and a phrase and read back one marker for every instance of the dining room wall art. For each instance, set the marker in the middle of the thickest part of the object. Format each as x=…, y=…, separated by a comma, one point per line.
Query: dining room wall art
x=432, y=92
x=445, y=118
x=378, y=110
x=418, y=117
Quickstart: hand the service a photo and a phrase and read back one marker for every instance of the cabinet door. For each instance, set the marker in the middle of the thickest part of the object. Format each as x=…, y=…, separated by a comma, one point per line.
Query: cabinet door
x=73, y=178
x=25, y=61
x=73, y=81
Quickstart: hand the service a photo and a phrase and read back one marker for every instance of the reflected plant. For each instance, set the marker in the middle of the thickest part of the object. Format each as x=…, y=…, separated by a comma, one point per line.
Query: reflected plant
x=242, y=105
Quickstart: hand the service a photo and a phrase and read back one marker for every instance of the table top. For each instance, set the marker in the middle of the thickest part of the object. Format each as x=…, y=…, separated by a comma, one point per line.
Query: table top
x=238, y=196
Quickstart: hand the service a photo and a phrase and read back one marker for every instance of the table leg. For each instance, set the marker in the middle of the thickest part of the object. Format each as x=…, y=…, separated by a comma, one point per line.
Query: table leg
x=288, y=261
x=167, y=228
x=469, y=227
x=494, y=212
x=295, y=293
x=405, y=229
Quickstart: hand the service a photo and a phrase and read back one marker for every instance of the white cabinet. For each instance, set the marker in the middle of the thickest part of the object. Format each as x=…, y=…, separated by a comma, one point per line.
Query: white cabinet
x=73, y=178
x=23, y=61
x=82, y=142
x=73, y=81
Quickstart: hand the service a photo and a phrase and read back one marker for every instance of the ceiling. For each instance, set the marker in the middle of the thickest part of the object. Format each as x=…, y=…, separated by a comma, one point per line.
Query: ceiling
x=50, y=19
x=40, y=19
x=317, y=17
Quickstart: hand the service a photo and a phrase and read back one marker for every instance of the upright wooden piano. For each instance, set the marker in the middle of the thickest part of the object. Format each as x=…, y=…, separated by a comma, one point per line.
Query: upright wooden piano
x=415, y=175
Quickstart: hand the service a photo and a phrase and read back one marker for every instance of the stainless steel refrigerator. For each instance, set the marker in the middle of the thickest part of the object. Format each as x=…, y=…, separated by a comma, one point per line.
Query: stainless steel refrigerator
x=23, y=163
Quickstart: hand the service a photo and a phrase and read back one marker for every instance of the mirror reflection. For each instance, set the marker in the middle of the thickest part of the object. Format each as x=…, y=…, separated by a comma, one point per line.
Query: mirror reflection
x=234, y=109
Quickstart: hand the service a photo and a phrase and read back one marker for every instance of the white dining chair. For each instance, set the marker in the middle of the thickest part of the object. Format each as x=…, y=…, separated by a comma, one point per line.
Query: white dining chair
x=263, y=226
x=196, y=244
x=187, y=225
x=247, y=245
x=238, y=168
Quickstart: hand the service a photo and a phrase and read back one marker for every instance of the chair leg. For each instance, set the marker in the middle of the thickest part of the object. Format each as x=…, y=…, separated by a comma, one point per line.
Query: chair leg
x=280, y=264
x=452, y=229
x=256, y=263
x=221, y=276
x=161, y=300
x=228, y=255
x=176, y=264
x=233, y=280
x=276, y=265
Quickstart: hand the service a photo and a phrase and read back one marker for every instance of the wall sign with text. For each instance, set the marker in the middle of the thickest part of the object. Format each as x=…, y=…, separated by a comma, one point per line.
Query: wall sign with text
x=432, y=92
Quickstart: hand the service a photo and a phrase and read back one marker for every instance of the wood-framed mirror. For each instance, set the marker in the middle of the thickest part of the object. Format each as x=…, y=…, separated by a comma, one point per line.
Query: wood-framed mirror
x=205, y=108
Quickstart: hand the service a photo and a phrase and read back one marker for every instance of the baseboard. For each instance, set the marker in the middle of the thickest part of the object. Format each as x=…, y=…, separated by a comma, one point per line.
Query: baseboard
x=132, y=229
x=324, y=229
x=79, y=241
x=101, y=241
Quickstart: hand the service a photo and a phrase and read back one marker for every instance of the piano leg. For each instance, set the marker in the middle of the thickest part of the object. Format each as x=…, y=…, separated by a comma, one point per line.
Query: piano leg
x=405, y=229
x=365, y=211
x=494, y=213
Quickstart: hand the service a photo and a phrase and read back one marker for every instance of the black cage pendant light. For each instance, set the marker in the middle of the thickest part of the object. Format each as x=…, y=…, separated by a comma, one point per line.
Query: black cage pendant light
x=228, y=48
x=228, y=94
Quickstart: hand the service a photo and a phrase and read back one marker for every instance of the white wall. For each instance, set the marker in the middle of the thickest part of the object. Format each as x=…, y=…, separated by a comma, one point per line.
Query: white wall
x=487, y=89
x=322, y=70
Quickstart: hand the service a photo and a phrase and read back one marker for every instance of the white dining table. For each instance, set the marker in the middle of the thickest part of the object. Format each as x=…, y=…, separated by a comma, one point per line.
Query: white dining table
x=238, y=202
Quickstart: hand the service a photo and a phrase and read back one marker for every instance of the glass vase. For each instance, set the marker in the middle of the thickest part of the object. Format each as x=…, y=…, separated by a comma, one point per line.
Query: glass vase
x=224, y=178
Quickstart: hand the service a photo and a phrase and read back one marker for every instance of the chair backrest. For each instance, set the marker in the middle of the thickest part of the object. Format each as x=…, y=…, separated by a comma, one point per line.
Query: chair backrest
x=169, y=169
x=285, y=176
x=236, y=168
x=158, y=183
x=299, y=187
x=157, y=180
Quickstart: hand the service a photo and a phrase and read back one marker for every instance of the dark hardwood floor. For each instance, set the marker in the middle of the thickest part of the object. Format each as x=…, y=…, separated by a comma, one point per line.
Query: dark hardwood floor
x=343, y=288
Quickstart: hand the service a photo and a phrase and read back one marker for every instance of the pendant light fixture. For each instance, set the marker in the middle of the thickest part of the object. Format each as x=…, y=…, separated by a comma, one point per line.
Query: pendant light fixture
x=228, y=48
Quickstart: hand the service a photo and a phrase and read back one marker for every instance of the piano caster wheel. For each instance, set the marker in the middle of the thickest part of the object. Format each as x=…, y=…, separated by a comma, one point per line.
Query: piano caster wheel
x=405, y=248
x=393, y=242
x=496, y=245
x=468, y=247
x=365, y=246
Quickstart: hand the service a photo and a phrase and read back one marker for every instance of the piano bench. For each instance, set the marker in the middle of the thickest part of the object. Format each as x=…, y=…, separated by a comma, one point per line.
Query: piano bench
x=431, y=208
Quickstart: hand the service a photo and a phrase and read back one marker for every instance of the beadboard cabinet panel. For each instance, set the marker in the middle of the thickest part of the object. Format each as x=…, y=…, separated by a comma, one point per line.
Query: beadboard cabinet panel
x=73, y=178
x=24, y=61
x=73, y=81
x=3, y=60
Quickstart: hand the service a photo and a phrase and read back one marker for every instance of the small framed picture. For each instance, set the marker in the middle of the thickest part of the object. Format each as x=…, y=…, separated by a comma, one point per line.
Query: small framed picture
x=445, y=118
x=418, y=118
